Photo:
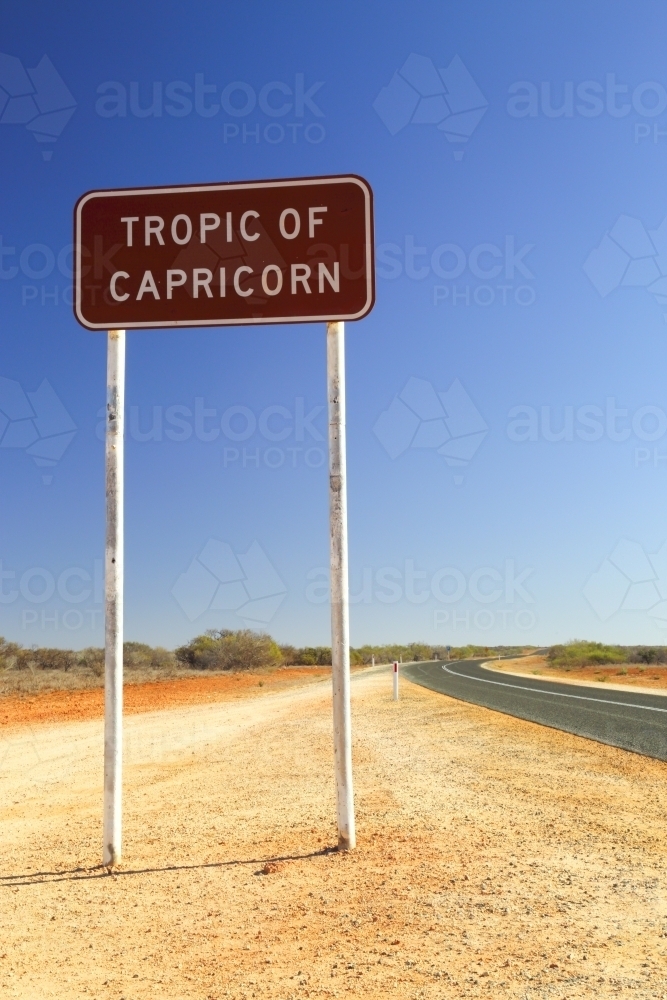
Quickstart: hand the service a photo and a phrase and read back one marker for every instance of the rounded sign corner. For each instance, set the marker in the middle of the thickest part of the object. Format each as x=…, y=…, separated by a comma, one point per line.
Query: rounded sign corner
x=290, y=250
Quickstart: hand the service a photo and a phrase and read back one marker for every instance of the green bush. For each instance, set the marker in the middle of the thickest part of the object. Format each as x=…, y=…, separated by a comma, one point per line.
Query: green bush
x=416, y=652
x=139, y=655
x=585, y=654
x=135, y=655
x=9, y=654
x=39, y=658
x=223, y=649
x=53, y=659
x=92, y=659
x=648, y=654
x=307, y=656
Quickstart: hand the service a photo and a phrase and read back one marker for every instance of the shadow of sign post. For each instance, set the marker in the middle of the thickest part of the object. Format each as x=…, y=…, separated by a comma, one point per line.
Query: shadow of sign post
x=284, y=251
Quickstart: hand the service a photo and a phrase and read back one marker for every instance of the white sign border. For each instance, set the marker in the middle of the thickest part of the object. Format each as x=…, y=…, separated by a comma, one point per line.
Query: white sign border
x=231, y=186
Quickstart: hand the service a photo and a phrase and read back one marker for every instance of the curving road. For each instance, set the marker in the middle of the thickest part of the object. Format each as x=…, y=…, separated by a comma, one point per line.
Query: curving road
x=630, y=720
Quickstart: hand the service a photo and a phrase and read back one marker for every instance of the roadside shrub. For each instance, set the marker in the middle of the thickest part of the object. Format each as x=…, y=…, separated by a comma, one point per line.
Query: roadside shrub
x=223, y=649
x=139, y=655
x=585, y=654
x=416, y=652
x=92, y=659
x=51, y=659
x=289, y=654
x=308, y=656
x=9, y=654
x=135, y=655
x=648, y=654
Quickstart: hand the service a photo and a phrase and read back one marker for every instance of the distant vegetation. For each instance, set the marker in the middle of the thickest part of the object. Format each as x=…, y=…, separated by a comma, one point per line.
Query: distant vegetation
x=363, y=655
x=307, y=656
x=245, y=649
x=224, y=649
x=578, y=654
x=136, y=655
x=26, y=670
x=419, y=651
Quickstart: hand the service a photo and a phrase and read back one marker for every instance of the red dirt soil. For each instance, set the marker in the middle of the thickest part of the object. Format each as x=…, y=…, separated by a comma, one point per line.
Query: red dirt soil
x=628, y=674
x=88, y=703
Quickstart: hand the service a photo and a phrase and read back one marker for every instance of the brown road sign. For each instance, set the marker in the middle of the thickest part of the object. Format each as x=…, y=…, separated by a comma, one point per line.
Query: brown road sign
x=283, y=251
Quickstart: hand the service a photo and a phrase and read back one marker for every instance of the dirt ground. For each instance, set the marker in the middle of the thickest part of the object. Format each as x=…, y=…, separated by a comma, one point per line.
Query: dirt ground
x=611, y=674
x=495, y=858
x=68, y=705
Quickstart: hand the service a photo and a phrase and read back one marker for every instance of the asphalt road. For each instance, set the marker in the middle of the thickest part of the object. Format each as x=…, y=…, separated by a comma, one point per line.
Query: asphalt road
x=630, y=720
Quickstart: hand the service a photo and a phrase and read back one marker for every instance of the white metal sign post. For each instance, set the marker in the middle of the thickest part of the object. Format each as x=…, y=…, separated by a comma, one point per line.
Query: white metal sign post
x=295, y=250
x=113, y=599
x=395, y=676
x=340, y=618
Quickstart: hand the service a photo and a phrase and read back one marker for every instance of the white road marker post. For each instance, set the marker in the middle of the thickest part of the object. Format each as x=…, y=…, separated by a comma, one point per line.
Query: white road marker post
x=340, y=622
x=395, y=675
x=113, y=600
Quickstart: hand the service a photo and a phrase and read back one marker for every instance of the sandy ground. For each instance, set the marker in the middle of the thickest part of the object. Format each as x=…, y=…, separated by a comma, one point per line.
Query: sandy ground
x=649, y=678
x=496, y=858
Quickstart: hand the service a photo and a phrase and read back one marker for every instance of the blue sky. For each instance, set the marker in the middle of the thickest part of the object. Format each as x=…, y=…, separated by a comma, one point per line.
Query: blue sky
x=520, y=274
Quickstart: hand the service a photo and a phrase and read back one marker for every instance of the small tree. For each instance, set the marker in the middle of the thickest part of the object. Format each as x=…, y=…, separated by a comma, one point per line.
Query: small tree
x=141, y=655
x=9, y=654
x=53, y=659
x=92, y=658
x=224, y=649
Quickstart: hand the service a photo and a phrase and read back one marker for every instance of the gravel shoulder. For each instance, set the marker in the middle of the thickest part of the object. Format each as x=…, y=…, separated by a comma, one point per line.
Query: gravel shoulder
x=496, y=857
